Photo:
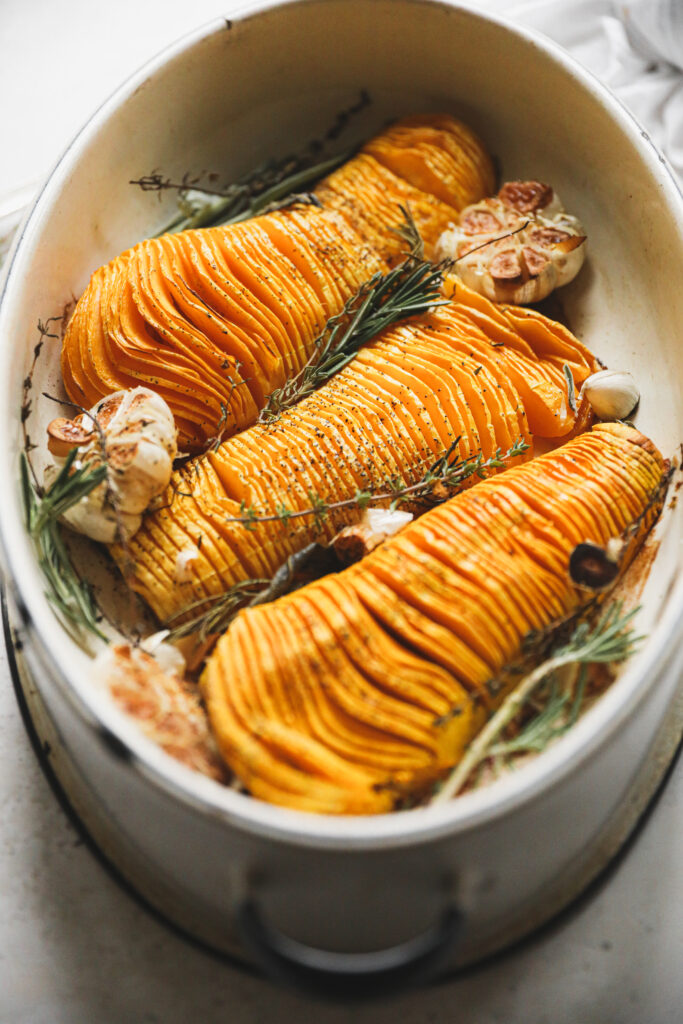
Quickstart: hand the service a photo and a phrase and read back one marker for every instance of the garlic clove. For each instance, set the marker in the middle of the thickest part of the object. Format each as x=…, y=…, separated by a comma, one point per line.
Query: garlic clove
x=593, y=566
x=102, y=524
x=528, y=197
x=376, y=525
x=612, y=394
x=160, y=704
x=385, y=520
x=64, y=434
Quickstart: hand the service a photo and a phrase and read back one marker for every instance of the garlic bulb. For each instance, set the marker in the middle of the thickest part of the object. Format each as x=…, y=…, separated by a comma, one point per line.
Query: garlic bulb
x=546, y=252
x=137, y=430
x=612, y=394
x=161, y=704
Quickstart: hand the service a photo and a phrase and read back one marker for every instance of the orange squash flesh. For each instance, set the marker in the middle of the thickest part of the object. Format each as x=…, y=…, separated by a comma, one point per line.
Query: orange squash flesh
x=362, y=689
x=216, y=319
x=404, y=399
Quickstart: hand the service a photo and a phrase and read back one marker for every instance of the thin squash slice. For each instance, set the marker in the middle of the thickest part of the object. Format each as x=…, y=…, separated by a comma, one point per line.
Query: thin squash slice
x=357, y=693
x=216, y=319
x=385, y=418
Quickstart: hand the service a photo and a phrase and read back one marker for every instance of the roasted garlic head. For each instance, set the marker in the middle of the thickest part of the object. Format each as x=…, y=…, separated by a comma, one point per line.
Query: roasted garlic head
x=546, y=251
x=133, y=432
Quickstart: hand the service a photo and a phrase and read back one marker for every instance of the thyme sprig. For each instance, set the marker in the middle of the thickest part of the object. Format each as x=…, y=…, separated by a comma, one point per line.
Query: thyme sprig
x=44, y=333
x=609, y=641
x=214, y=614
x=70, y=595
x=437, y=484
x=221, y=610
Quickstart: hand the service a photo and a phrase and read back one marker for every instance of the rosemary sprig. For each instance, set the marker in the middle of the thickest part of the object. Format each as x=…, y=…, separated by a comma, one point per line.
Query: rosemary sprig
x=65, y=590
x=609, y=641
x=438, y=483
x=411, y=288
x=557, y=713
x=274, y=184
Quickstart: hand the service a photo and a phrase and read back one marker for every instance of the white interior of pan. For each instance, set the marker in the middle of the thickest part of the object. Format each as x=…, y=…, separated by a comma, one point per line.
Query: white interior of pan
x=235, y=94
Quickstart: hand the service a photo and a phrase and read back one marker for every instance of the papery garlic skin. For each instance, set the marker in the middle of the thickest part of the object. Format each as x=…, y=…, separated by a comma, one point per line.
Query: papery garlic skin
x=546, y=252
x=612, y=394
x=386, y=521
x=95, y=517
x=139, y=436
x=166, y=655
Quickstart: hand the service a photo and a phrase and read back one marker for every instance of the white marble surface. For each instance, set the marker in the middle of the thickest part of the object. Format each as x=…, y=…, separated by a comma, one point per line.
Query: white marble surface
x=74, y=947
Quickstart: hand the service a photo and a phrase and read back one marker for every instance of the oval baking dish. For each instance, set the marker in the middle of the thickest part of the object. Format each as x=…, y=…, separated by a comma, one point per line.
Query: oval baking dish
x=356, y=904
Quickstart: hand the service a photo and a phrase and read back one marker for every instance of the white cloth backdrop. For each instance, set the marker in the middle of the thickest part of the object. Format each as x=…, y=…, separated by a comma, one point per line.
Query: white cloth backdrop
x=631, y=47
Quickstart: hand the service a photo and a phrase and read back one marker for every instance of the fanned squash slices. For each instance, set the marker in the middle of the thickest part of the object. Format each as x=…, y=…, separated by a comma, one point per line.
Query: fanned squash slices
x=363, y=688
x=387, y=416
x=216, y=319
x=359, y=692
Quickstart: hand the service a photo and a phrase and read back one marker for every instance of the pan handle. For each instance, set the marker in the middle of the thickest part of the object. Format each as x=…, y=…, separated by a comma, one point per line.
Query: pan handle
x=348, y=976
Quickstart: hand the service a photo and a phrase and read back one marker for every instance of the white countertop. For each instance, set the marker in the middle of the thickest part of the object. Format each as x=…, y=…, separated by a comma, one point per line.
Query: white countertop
x=77, y=949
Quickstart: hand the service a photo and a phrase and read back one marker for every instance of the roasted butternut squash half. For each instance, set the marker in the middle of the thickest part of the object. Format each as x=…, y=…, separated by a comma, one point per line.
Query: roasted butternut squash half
x=216, y=319
x=362, y=689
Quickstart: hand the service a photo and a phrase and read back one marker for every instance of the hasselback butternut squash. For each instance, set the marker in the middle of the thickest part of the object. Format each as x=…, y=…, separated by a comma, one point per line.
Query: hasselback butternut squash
x=387, y=416
x=365, y=686
x=215, y=319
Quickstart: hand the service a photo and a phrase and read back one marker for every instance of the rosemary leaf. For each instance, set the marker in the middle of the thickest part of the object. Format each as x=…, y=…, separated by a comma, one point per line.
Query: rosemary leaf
x=571, y=392
x=609, y=641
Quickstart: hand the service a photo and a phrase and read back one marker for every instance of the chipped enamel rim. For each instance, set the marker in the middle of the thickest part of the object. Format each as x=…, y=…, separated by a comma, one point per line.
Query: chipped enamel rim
x=49, y=649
